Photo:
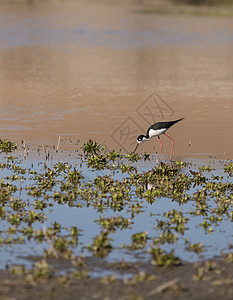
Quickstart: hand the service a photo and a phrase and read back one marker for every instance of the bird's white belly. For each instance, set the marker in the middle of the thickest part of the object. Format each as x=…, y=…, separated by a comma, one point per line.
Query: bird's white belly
x=157, y=132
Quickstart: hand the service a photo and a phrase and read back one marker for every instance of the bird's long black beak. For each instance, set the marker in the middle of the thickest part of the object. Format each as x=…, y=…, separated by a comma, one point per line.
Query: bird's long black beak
x=136, y=148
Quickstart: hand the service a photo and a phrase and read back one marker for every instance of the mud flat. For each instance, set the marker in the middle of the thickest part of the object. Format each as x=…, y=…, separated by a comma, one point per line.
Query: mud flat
x=175, y=283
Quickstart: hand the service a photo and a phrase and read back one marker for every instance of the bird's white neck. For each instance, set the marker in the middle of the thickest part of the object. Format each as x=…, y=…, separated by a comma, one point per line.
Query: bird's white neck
x=146, y=138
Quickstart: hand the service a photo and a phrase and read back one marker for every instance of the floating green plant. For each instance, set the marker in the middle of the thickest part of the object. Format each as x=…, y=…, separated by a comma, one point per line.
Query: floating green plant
x=113, y=223
x=101, y=246
x=229, y=169
x=7, y=146
x=163, y=259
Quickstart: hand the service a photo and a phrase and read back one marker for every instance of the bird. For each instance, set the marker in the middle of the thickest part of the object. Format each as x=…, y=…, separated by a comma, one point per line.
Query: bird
x=158, y=129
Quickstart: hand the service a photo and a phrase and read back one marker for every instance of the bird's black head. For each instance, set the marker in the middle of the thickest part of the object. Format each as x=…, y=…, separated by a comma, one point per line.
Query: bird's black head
x=140, y=138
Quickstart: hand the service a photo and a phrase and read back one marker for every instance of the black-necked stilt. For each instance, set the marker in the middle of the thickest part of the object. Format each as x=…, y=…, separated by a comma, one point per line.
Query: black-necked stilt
x=156, y=130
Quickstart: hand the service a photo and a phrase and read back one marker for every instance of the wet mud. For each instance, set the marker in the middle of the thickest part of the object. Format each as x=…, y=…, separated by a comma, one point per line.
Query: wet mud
x=181, y=282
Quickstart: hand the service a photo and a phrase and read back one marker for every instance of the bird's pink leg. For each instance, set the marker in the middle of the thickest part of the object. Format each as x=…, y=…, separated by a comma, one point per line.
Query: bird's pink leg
x=173, y=141
x=161, y=147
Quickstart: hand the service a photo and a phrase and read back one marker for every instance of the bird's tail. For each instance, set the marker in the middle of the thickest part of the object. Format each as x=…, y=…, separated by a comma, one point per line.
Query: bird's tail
x=176, y=121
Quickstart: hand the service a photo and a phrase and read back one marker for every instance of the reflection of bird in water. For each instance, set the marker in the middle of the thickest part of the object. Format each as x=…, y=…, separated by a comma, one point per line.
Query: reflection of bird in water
x=150, y=186
x=158, y=129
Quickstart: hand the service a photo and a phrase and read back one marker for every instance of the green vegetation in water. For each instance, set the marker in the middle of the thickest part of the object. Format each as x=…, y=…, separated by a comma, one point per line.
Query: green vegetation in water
x=7, y=146
x=123, y=191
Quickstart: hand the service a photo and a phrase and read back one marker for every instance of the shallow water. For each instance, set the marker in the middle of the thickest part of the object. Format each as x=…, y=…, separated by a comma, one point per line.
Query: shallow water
x=106, y=71
x=84, y=216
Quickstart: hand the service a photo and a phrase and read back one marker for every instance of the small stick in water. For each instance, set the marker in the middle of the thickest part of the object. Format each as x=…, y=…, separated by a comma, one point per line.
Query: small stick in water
x=58, y=143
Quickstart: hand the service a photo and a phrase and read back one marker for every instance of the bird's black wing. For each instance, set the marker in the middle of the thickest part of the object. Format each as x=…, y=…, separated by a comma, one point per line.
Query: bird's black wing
x=163, y=125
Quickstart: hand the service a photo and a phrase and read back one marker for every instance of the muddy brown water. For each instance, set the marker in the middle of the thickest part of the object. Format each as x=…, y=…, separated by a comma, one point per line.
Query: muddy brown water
x=105, y=71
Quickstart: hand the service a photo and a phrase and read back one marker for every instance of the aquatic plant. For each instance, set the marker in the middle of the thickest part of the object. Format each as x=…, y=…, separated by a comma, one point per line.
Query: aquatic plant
x=7, y=146
x=119, y=190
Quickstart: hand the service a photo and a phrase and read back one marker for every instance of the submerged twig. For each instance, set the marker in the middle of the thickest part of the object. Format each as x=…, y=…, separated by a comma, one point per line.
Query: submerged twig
x=58, y=143
x=24, y=149
x=46, y=152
